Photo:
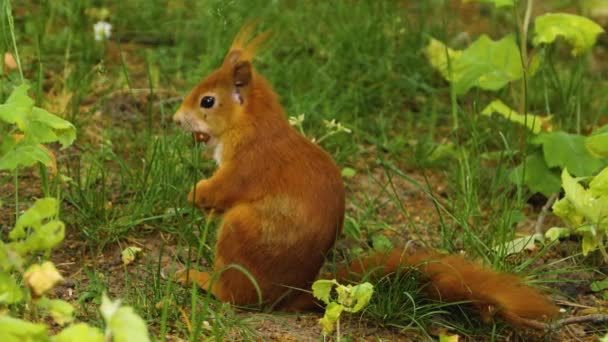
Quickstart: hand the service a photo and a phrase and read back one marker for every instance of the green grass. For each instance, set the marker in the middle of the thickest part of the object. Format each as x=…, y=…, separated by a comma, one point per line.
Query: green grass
x=359, y=63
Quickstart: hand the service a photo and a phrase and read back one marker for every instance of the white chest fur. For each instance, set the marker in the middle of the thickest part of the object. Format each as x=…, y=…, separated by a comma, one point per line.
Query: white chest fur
x=217, y=154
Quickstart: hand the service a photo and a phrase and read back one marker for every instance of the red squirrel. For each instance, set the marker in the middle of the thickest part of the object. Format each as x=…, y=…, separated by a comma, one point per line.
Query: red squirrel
x=282, y=199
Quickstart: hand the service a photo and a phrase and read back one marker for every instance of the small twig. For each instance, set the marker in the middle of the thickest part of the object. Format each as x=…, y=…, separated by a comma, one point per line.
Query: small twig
x=594, y=318
x=538, y=228
x=562, y=302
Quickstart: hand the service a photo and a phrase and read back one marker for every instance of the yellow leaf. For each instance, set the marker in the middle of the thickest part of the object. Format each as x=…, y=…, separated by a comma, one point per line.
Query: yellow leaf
x=41, y=278
x=128, y=254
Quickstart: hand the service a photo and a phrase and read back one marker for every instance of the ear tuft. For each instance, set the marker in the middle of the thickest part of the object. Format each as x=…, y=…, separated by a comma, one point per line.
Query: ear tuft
x=242, y=74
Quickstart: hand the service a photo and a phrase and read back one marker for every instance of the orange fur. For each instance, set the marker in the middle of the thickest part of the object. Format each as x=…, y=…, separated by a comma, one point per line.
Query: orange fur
x=452, y=278
x=283, y=203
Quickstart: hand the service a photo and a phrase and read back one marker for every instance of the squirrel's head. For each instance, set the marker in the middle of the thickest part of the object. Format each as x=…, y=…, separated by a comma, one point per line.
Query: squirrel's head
x=217, y=102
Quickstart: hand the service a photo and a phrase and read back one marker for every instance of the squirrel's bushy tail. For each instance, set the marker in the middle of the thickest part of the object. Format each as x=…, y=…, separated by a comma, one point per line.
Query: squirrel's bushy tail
x=453, y=278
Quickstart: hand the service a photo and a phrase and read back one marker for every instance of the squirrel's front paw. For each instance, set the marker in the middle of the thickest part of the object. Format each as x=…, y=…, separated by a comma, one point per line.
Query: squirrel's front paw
x=197, y=196
x=189, y=276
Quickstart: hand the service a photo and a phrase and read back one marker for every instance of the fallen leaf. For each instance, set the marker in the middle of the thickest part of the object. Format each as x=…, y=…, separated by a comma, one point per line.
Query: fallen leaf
x=9, y=61
x=128, y=254
x=41, y=278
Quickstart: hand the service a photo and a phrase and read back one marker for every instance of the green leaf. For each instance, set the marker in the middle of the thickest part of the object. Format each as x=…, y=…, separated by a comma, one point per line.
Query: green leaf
x=348, y=172
x=10, y=292
x=579, y=31
x=42, y=209
x=23, y=155
x=556, y=233
x=533, y=122
x=61, y=311
x=597, y=145
x=497, y=3
x=589, y=243
x=599, y=285
x=14, y=329
x=537, y=177
x=437, y=53
x=599, y=184
x=567, y=212
x=565, y=150
x=331, y=316
x=17, y=107
x=122, y=322
x=79, y=332
x=381, y=243
x=321, y=289
x=38, y=125
x=362, y=294
x=594, y=209
x=46, y=237
x=46, y=127
x=486, y=64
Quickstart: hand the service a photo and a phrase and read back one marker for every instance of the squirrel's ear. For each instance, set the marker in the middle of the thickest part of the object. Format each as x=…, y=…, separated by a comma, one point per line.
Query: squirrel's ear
x=242, y=74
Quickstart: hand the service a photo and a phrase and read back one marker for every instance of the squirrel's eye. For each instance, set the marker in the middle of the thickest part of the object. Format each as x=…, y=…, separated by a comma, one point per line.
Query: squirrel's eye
x=207, y=101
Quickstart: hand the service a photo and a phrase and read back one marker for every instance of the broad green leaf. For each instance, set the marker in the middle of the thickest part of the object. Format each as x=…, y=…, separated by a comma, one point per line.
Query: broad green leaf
x=579, y=31
x=79, y=332
x=437, y=53
x=46, y=127
x=14, y=329
x=597, y=145
x=533, y=122
x=599, y=285
x=362, y=293
x=42, y=209
x=123, y=323
x=41, y=278
x=331, y=316
x=24, y=155
x=381, y=243
x=17, y=107
x=567, y=212
x=594, y=209
x=556, y=233
x=61, y=311
x=497, y=3
x=321, y=289
x=10, y=292
x=565, y=150
x=38, y=125
x=486, y=64
x=537, y=177
x=599, y=184
x=46, y=237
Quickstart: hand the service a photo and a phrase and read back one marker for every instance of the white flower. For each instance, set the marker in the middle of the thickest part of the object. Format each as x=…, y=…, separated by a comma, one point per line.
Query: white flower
x=102, y=30
x=296, y=120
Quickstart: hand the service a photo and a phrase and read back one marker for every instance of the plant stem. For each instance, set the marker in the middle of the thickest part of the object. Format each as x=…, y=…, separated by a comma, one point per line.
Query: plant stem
x=338, y=337
x=524, y=31
x=16, y=194
x=11, y=26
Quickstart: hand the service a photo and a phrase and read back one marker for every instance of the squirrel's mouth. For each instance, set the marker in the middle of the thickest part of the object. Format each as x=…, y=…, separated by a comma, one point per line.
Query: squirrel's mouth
x=201, y=137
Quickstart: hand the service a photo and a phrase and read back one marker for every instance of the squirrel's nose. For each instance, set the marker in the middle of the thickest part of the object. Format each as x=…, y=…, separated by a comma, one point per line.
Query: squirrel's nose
x=178, y=117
